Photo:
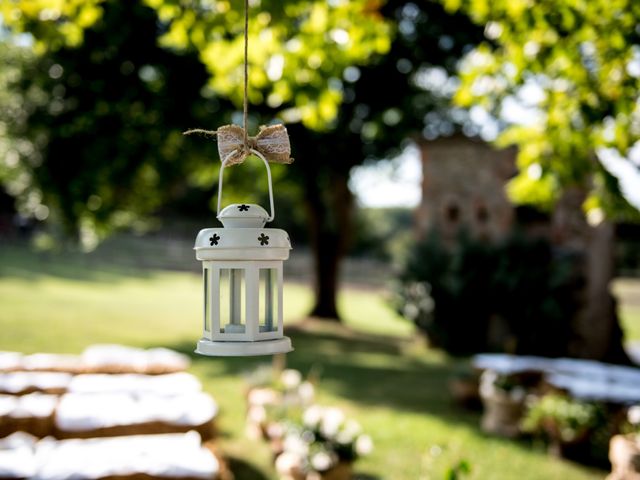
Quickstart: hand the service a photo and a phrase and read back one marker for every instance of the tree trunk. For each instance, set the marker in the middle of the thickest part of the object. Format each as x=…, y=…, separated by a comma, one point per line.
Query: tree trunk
x=330, y=217
x=327, y=267
x=599, y=335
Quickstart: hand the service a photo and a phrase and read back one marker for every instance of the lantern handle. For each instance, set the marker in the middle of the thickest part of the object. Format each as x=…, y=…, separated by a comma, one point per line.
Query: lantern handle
x=266, y=164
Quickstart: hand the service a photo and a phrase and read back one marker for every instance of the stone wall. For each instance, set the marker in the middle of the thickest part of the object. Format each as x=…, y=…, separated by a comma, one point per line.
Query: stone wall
x=463, y=188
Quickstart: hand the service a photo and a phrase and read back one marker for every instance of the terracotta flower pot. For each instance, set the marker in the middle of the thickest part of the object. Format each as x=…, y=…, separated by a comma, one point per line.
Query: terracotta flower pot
x=502, y=415
x=624, y=454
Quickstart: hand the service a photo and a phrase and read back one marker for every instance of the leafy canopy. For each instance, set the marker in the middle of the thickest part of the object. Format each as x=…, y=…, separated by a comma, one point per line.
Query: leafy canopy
x=52, y=23
x=575, y=67
x=298, y=49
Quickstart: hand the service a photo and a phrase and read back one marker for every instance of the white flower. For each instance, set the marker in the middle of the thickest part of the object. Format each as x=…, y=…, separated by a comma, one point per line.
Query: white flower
x=411, y=311
x=312, y=416
x=322, y=461
x=290, y=378
x=308, y=436
x=350, y=430
x=263, y=396
x=332, y=420
x=352, y=427
x=295, y=444
x=275, y=430
x=257, y=414
x=289, y=464
x=306, y=392
x=364, y=445
x=344, y=438
x=633, y=415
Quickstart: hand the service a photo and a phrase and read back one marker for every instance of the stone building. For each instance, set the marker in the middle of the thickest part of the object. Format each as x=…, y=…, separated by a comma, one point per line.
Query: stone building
x=463, y=187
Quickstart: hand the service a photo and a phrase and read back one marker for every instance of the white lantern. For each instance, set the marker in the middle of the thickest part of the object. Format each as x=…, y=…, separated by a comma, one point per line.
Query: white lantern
x=242, y=272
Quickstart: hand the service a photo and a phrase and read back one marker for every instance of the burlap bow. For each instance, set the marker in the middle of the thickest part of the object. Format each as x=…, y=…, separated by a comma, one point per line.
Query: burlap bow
x=271, y=141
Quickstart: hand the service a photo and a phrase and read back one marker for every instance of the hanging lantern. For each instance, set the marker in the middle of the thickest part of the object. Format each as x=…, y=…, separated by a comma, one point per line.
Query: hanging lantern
x=242, y=274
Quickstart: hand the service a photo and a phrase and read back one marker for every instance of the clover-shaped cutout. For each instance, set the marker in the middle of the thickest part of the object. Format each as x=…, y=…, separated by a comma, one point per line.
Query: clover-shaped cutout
x=243, y=207
x=213, y=240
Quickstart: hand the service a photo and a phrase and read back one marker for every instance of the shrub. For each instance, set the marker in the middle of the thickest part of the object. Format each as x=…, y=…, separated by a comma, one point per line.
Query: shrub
x=561, y=418
x=516, y=296
x=576, y=429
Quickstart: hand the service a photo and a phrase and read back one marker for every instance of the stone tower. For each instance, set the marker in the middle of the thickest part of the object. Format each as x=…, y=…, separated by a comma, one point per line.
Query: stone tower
x=463, y=188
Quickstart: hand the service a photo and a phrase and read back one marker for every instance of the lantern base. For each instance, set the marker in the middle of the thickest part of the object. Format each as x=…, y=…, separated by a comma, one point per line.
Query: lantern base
x=243, y=349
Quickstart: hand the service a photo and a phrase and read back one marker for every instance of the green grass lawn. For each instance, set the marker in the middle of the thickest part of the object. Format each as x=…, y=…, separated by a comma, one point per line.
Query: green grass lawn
x=627, y=291
x=630, y=317
x=390, y=384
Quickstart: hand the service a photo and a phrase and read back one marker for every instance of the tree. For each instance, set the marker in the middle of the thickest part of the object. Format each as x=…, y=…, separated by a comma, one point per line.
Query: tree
x=98, y=136
x=576, y=67
x=385, y=105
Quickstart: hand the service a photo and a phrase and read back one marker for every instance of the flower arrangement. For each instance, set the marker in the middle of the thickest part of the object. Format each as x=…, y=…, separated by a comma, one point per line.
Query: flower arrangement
x=323, y=445
x=564, y=421
x=309, y=442
x=503, y=397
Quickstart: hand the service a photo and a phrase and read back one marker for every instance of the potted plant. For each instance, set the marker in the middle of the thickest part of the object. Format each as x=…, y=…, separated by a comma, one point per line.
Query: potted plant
x=322, y=446
x=503, y=399
x=563, y=421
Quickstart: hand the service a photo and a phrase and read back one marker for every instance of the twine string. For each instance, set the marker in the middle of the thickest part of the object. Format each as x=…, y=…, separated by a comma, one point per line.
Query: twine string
x=245, y=112
x=246, y=145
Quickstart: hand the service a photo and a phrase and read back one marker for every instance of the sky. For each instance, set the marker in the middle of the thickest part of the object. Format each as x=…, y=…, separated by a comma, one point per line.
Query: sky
x=389, y=183
x=626, y=170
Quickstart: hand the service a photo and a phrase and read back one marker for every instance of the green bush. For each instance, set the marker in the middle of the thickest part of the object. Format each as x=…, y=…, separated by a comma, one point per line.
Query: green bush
x=516, y=296
x=575, y=429
x=561, y=418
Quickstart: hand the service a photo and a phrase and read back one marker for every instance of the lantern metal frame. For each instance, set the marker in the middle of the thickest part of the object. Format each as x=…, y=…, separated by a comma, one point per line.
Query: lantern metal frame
x=239, y=248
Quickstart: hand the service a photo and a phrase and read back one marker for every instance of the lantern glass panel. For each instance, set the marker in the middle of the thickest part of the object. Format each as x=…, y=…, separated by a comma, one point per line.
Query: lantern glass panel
x=232, y=305
x=268, y=300
x=207, y=296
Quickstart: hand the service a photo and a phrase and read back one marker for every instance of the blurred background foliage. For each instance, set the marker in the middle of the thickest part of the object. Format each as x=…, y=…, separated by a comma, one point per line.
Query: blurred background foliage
x=95, y=95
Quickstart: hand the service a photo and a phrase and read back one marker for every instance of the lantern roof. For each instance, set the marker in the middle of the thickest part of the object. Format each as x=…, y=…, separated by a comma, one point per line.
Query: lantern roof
x=245, y=215
x=243, y=236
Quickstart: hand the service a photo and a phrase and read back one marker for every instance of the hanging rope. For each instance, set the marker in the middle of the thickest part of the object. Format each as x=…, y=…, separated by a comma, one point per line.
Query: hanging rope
x=245, y=105
x=234, y=143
